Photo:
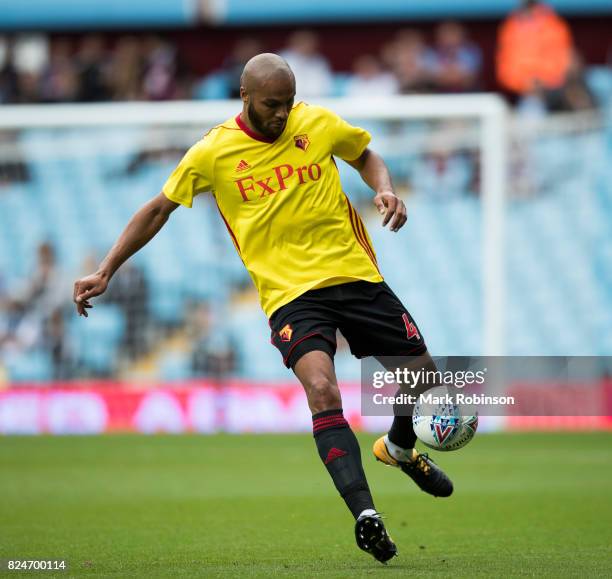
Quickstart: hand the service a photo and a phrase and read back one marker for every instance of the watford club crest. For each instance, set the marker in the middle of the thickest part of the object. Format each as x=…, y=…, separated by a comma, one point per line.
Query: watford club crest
x=286, y=333
x=301, y=141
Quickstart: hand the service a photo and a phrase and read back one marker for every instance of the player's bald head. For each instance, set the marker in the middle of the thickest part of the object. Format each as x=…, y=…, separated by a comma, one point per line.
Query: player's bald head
x=266, y=69
x=267, y=89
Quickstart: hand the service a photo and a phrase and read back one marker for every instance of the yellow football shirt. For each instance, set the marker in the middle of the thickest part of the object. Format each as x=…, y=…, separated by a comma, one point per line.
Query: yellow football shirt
x=282, y=201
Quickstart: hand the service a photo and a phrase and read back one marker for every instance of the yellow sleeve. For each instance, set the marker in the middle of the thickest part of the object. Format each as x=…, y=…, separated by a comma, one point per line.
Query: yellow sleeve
x=348, y=142
x=192, y=175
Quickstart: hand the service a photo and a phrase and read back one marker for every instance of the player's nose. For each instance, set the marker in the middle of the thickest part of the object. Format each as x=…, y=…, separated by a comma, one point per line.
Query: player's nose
x=282, y=114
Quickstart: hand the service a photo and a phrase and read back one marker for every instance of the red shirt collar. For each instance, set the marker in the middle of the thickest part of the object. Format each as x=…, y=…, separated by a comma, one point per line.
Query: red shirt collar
x=250, y=132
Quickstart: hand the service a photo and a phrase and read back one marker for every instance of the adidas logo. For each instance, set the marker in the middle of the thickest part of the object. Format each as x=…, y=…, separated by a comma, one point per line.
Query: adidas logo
x=334, y=453
x=242, y=166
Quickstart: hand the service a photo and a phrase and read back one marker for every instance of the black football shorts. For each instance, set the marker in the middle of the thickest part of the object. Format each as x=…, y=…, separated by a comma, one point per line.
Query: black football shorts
x=369, y=315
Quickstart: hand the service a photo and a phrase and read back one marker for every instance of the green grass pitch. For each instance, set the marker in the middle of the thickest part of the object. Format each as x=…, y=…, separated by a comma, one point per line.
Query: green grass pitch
x=259, y=506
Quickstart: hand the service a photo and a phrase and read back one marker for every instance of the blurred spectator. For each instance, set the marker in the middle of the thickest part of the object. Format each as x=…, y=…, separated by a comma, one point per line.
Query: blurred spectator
x=31, y=53
x=60, y=82
x=574, y=94
x=92, y=70
x=18, y=331
x=409, y=59
x=443, y=174
x=4, y=50
x=135, y=69
x=126, y=70
x=33, y=69
x=130, y=291
x=54, y=341
x=311, y=69
x=534, y=45
x=446, y=169
x=9, y=80
x=29, y=309
x=59, y=59
x=28, y=88
x=532, y=104
x=46, y=289
x=245, y=49
x=160, y=74
x=30, y=57
x=455, y=61
x=13, y=166
x=213, y=353
x=369, y=78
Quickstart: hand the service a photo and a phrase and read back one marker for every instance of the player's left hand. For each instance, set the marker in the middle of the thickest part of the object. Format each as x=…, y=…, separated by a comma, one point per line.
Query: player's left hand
x=393, y=208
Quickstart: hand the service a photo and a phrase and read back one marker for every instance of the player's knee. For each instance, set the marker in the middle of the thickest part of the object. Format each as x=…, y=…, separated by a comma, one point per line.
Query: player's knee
x=323, y=394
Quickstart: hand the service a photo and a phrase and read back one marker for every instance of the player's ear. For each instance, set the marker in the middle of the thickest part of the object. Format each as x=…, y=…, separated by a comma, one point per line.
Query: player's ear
x=244, y=95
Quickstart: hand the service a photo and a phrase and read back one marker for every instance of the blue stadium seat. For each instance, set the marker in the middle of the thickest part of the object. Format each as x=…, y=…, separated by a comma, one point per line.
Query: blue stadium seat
x=32, y=366
x=213, y=86
x=96, y=340
x=340, y=83
x=599, y=79
x=249, y=330
x=174, y=366
x=352, y=183
x=167, y=302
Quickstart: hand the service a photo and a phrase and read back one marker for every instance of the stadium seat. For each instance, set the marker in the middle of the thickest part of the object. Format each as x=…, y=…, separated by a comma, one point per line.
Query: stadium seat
x=30, y=366
x=174, y=366
x=340, y=81
x=167, y=301
x=249, y=330
x=213, y=86
x=599, y=79
x=96, y=340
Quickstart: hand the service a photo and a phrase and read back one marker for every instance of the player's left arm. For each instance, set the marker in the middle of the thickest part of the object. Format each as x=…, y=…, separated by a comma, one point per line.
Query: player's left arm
x=374, y=172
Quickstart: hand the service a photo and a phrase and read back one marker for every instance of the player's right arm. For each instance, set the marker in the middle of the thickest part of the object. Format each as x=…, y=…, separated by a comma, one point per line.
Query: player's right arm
x=142, y=227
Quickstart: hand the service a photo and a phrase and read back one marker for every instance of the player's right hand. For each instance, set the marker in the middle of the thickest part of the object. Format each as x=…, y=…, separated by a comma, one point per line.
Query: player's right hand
x=87, y=288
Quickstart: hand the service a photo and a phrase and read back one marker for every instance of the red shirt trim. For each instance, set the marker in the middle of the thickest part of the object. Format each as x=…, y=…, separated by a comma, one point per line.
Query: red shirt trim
x=250, y=132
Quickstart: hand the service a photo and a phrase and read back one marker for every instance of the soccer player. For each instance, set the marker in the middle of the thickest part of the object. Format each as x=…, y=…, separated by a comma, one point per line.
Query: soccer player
x=272, y=172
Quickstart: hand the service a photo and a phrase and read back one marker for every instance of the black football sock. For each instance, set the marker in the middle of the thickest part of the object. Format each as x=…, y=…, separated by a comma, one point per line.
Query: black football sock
x=339, y=451
x=402, y=432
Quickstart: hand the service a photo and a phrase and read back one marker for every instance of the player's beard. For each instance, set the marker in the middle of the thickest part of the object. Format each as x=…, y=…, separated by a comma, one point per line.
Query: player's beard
x=260, y=126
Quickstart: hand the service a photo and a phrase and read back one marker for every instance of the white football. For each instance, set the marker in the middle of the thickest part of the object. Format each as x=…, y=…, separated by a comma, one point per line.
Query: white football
x=441, y=424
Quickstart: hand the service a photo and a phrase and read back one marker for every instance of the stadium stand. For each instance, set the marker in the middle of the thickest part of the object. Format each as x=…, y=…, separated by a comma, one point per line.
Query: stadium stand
x=78, y=200
x=75, y=194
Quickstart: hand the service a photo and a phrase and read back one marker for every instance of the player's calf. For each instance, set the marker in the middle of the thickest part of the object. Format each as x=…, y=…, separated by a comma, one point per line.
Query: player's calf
x=341, y=455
